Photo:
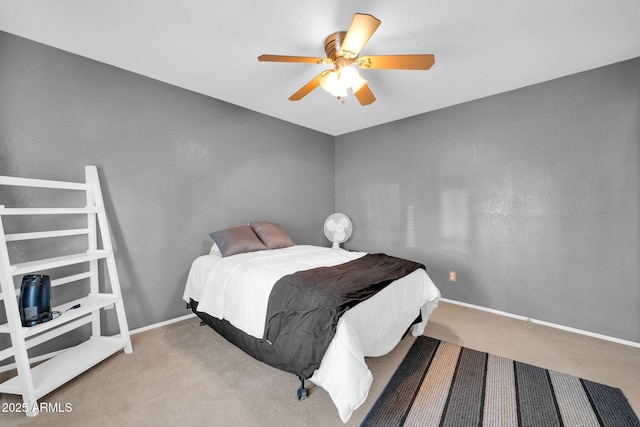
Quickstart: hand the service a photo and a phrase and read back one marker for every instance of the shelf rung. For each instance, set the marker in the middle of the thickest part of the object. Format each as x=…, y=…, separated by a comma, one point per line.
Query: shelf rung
x=42, y=183
x=68, y=279
x=46, y=264
x=46, y=336
x=52, y=333
x=62, y=281
x=48, y=211
x=45, y=234
x=6, y=353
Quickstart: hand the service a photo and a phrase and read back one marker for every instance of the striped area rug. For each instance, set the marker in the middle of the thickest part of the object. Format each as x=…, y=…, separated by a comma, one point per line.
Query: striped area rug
x=442, y=384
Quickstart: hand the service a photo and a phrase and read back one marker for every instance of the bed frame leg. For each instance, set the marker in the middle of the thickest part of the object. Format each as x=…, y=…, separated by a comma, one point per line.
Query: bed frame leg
x=302, y=392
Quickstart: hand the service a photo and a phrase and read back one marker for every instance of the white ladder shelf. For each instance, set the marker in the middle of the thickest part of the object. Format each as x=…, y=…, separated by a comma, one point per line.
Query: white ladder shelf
x=34, y=383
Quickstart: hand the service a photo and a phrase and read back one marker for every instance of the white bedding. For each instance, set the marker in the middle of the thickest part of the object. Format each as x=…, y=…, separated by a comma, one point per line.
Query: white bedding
x=237, y=289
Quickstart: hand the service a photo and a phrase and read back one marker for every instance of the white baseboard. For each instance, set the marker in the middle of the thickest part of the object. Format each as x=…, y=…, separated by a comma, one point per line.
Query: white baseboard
x=450, y=301
x=543, y=323
x=160, y=324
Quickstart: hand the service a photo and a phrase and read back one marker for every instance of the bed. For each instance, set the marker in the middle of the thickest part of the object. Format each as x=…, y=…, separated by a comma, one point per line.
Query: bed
x=232, y=294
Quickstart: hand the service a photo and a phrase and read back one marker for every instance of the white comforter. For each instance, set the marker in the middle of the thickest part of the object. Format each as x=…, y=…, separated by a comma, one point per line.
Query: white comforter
x=237, y=289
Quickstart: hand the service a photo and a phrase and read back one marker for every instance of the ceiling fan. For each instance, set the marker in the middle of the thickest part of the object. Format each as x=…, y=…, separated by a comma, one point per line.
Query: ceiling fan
x=343, y=50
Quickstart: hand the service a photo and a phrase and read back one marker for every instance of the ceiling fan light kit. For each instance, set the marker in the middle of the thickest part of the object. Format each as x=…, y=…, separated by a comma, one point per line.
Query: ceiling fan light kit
x=343, y=77
x=343, y=49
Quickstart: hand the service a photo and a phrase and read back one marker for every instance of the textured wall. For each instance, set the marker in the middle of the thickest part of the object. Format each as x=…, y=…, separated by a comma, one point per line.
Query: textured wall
x=174, y=165
x=532, y=196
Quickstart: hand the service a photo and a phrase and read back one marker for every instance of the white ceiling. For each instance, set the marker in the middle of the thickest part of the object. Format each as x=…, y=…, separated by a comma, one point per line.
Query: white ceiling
x=481, y=47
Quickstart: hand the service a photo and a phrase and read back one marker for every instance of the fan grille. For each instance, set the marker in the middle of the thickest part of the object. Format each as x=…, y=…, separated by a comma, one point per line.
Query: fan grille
x=338, y=228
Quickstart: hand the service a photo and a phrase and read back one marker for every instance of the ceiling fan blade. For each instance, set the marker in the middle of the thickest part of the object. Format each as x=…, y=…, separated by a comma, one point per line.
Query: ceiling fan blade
x=397, y=62
x=364, y=95
x=304, y=90
x=360, y=31
x=285, y=58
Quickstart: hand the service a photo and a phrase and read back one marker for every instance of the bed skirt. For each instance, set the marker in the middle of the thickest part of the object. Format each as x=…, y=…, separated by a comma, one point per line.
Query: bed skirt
x=258, y=348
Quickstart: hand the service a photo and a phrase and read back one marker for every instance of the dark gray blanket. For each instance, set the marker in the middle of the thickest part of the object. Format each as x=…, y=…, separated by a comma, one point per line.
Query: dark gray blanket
x=304, y=307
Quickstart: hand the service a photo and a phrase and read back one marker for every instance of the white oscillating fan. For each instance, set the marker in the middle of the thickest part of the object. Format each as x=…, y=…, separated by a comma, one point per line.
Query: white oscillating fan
x=338, y=229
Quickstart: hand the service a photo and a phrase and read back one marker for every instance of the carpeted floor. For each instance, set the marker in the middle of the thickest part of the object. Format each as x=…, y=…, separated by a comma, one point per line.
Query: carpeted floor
x=184, y=373
x=443, y=384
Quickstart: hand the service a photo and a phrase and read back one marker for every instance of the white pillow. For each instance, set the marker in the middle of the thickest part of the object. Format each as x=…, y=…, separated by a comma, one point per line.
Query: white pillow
x=215, y=250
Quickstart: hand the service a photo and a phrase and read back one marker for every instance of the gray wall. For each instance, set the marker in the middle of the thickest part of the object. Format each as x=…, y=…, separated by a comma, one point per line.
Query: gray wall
x=174, y=165
x=532, y=196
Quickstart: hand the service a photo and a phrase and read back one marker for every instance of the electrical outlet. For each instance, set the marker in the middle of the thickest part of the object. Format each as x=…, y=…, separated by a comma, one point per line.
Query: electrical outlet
x=452, y=276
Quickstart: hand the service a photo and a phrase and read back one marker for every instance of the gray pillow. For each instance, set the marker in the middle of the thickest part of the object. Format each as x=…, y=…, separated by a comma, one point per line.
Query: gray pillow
x=272, y=235
x=237, y=240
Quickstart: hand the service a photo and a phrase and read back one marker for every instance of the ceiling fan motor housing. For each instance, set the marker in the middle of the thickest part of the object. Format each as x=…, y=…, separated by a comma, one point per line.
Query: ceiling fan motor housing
x=333, y=43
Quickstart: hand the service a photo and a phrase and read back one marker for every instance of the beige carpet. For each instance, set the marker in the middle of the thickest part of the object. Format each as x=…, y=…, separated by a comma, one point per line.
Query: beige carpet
x=187, y=374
